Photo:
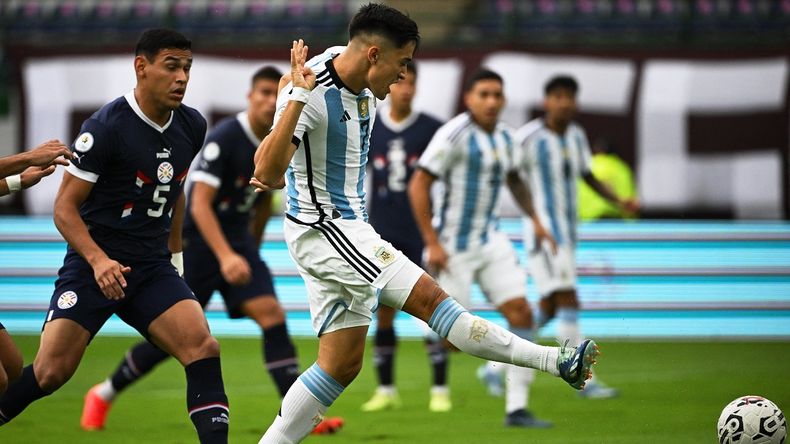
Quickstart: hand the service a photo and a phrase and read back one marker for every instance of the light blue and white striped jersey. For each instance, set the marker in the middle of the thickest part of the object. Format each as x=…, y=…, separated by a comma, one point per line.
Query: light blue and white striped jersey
x=471, y=164
x=326, y=176
x=552, y=163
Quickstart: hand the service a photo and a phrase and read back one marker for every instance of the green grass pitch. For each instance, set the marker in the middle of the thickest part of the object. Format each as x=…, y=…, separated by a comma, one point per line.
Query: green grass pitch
x=671, y=393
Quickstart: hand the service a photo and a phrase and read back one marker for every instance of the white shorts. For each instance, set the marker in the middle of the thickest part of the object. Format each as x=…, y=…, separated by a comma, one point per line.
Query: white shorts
x=495, y=268
x=348, y=268
x=552, y=272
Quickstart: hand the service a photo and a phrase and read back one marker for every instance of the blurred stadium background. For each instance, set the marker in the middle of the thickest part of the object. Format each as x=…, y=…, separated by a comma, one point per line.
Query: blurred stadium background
x=693, y=95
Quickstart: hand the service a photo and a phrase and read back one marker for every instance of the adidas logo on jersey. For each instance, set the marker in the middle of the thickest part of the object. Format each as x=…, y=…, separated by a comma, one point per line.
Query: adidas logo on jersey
x=345, y=117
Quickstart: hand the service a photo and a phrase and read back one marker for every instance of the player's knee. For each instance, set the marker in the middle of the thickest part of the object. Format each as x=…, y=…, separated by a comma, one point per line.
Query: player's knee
x=266, y=311
x=52, y=376
x=208, y=348
x=566, y=299
x=424, y=298
x=346, y=373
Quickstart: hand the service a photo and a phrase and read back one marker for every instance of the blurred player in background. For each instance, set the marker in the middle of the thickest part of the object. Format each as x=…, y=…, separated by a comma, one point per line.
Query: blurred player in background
x=396, y=142
x=554, y=153
x=472, y=157
x=120, y=207
x=19, y=172
x=319, y=147
x=223, y=231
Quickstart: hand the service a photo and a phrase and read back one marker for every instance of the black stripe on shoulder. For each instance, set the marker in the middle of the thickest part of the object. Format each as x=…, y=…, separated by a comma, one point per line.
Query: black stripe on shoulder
x=458, y=131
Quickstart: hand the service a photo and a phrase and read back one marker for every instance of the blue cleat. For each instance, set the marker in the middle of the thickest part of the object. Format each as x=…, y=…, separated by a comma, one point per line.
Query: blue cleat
x=575, y=363
x=597, y=390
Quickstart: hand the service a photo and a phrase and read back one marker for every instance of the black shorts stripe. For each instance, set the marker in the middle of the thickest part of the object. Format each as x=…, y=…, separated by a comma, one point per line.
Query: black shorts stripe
x=340, y=251
x=360, y=260
x=366, y=260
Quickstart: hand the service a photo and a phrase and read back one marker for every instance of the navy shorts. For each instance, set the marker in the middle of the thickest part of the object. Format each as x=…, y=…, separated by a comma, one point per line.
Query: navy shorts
x=203, y=275
x=412, y=250
x=152, y=287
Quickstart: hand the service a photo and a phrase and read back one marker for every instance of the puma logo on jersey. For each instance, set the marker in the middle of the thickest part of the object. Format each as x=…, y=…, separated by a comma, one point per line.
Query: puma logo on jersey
x=165, y=155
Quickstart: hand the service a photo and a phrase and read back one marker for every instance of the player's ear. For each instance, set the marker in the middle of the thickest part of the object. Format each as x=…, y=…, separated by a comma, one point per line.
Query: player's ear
x=373, y=54
x=140, y=62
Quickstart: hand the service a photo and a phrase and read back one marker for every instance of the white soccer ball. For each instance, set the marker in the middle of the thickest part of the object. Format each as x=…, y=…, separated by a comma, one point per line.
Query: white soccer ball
x=752, y=420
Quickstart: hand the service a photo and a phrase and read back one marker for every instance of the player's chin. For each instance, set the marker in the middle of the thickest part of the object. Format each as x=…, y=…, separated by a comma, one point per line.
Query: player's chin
x=174, y=100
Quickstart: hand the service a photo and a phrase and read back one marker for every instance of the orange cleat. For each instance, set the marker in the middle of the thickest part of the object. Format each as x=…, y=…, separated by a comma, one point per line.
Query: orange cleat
x=329, y=425
x=94, y=411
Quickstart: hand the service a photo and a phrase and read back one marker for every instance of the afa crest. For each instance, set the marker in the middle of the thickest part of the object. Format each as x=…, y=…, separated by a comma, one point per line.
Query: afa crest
x=363, y=108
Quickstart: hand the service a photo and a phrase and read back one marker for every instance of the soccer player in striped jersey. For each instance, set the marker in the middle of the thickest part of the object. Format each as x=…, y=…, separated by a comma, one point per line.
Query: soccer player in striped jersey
x=120, y=207
x=319, y=145
x=471, y=156
x=397, y=141
x=19, y=172
x=553, y=152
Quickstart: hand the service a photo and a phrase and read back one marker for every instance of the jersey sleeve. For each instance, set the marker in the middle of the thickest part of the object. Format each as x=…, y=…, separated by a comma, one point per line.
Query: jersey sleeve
x=585, y=154
x=93, y=151
x=211, y=164
x=308, y=120
x=439, y=156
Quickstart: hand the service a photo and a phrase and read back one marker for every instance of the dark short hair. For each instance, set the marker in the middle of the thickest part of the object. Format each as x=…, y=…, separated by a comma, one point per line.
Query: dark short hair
x=266, y=73
x=561, y=82
x=481, y=74
x=154, y=40
x=411, y=67
x=386, y=21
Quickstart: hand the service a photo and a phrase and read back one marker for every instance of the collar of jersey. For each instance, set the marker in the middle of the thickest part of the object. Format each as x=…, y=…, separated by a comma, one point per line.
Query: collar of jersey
x=136, y=108
x=244, y=120
x=330, y=66
x=397, y=127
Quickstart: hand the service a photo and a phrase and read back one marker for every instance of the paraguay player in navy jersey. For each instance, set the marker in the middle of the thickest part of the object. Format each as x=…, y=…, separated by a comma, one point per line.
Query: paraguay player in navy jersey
x=553, y=153
x=18, y=172
x=319, y=146
x=120, y=208
x=223, y=231
x=471, y=156
x=396, y=142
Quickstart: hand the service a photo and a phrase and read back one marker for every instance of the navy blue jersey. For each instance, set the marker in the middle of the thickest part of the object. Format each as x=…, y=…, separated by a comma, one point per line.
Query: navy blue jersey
x=226, y=163
x=395, y=149
x=138, y=170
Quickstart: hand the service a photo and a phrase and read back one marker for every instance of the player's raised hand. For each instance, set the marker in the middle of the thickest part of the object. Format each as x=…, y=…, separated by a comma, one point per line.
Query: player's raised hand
x=109, y=275
x=235, y=269
x=301, y=76
x=51, y=152
x=34, y=174
x=436, y=258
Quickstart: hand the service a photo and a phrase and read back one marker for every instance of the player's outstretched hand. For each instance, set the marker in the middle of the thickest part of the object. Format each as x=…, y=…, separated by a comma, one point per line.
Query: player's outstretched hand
x=541, y=235
x=109, y=275
x=34, y=174
x=301, y=76
x=436, y=258
x=235, y=269
x=631, y=206
x=260, y=187
x=51, y=152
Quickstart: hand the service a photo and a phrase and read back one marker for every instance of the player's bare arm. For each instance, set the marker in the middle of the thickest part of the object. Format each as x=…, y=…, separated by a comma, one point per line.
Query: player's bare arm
x=628, y=205
x=107, y=272
x=263, y=212
x=174, y=241
x=233, y=266
x=420, y=199
x=50, y=153
x=276, y=150
x=523, y=197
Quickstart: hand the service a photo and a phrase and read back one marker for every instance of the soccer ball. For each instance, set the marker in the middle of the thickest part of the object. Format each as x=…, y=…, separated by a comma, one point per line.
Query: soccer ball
x=752, y=420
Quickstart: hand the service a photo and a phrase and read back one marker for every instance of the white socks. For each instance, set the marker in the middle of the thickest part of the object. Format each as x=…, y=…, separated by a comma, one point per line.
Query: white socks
x=517, y=380
x=106, y=391
x=303, y=407
x=481, y=338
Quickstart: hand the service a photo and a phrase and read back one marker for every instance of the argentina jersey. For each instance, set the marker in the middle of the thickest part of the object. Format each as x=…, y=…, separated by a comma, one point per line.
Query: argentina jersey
x=138, y=169
x=472, y=165
x=552, y=163
x=226, y=163
x=326, y=176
